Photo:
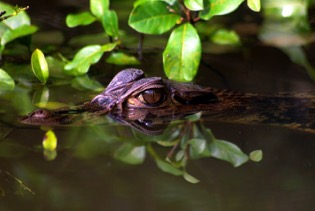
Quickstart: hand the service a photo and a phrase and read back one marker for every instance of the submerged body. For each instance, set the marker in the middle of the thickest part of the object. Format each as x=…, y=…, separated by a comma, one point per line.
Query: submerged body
x=132, y=97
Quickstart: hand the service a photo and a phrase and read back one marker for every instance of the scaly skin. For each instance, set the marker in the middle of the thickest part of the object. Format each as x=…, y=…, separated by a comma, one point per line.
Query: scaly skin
x=132, y=97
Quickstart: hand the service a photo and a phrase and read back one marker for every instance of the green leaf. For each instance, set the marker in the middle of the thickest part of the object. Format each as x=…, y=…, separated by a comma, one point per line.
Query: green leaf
x=6, y=82
x=39, y=66
x=190, y=178
x=51, y=105
x=225, y=37
x=86, y=57
x=169, y=168
x=84, y=82
x=198, y=148
x=194, y=5
x=12, y=23
x=152, y=17
x=81, y=19
x=13, y=34
x=182, y=54
x=119, y=58
x=228, y=151
x=254, y=5
x=110, y=23
x=256, y=155
x=99, y=7
x=131, y=154
x=218, y=7
x=50, y=141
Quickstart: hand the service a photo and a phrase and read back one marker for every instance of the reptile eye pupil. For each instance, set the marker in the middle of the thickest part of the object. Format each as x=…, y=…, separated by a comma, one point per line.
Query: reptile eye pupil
x=152, y=96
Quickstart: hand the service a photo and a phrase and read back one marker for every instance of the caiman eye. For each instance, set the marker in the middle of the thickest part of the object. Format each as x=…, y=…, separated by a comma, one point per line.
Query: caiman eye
x=152, y=96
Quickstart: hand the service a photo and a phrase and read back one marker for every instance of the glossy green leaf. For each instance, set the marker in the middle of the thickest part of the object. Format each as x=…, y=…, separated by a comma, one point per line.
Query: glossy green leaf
x=152, y=17
x=39, y=66
x=169, y=168
x=99, y=7
x=81, y=19
x=86, y=57
x=256, y=155
x=13, y=34
x=218, y=7
x=254, y=5
x=119, y=58
x=50, y=141
x=131, y=154
x=228, y=151
x=110, y=23
x=12, y=23
x=6, y=82
x=182, y=54
x=194, y=5
x=225, y=37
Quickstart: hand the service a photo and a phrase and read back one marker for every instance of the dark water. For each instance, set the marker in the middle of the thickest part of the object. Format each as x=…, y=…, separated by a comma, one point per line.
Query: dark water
x=88, y=173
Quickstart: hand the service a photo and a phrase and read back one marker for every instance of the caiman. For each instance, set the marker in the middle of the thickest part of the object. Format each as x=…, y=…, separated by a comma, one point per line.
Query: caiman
x=142, y=102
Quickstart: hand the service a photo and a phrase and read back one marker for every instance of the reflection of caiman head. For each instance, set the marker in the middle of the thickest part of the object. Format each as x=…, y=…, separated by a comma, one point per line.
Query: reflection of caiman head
x=129, y=89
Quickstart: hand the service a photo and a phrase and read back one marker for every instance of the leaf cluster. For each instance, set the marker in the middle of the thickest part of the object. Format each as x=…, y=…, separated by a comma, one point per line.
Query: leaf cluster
x=182, y=53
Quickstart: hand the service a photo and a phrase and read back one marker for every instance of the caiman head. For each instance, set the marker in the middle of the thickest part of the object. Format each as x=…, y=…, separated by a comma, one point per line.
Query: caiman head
x=129, y=89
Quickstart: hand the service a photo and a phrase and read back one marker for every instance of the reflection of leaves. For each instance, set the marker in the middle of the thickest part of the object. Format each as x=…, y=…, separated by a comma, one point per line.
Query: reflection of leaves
x=256, y=155
x=227, y=151
x=206, y=145
x=169, y=168
x=130, y=153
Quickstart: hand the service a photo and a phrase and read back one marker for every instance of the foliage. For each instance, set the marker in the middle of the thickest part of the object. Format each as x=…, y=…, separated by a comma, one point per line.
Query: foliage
x=40, y=66
x=182, y=54
x=15, y=25
x=6, y=82
x=50, y=145
x=192, y=140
